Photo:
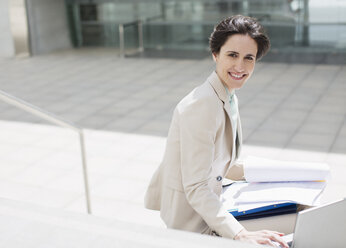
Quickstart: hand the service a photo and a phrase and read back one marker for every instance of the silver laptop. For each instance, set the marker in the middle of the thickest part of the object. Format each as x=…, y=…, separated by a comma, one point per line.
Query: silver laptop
x=323, y=226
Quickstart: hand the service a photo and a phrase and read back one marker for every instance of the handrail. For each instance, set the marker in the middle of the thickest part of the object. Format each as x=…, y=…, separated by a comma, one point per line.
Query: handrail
x=122, y=27
x=60, y=122
x=121, y=31
x=151, y=18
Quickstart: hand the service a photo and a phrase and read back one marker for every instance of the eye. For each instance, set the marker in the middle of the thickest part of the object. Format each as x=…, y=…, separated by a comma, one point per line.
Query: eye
x=233, y=55
x=249, y=58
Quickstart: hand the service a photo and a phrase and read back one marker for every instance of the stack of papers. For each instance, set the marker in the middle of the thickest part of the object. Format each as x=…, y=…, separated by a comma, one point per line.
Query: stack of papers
x=263, y=192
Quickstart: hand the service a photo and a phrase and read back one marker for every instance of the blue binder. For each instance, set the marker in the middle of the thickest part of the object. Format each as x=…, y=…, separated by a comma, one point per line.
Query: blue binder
x=266, y=211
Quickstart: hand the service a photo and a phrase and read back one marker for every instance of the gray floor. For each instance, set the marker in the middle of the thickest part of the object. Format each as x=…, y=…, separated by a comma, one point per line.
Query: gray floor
x=289, y=112
x=300, y=106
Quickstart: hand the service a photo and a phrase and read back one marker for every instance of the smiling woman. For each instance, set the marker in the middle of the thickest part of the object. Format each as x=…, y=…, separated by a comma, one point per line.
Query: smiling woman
x=236, y=43
x=205, y=138
x=235, y=61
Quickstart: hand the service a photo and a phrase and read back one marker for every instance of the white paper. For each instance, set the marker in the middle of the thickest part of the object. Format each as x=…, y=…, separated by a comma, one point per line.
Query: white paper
x=229, y=191
x=258, y=169
x=229, y=201
x=300, y=192
x=248, y=206
x=242, y=196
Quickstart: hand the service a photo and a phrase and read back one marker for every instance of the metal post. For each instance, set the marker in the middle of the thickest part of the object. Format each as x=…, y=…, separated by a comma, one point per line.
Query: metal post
x=77, y=24
x=85, y=172
x=121, y=41
x=140, y=36
x=163, y=10
x=58, y=121
x=306, y=41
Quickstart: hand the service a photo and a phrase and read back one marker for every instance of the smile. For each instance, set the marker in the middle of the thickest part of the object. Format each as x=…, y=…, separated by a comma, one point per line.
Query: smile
x=236, y=76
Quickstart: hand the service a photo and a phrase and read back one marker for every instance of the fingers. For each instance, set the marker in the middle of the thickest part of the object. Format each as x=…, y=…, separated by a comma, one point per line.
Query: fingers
x=278, y=233
x=264, y=237
x=275, y=236
x=266, y=241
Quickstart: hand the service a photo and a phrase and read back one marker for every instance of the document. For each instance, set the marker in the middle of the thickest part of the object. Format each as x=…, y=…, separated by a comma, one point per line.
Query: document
x=274, y=184
x=257, y=169
x=242, y=198
x=304, y=193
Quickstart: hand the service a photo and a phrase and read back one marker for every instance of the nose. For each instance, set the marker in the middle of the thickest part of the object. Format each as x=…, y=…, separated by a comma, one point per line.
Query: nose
x=239, y=65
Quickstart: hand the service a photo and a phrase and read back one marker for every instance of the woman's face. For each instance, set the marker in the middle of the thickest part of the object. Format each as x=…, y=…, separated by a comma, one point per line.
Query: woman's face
x=236, y=60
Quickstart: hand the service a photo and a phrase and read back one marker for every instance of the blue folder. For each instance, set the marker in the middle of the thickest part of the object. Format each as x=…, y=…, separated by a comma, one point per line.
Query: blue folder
x=266, y=211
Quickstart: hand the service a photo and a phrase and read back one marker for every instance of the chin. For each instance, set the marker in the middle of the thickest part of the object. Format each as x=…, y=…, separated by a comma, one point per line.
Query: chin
x=236, y=85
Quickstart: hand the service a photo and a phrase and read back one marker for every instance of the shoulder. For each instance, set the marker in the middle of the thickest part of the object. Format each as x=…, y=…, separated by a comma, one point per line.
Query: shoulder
x=200, y=108
x=202, y=98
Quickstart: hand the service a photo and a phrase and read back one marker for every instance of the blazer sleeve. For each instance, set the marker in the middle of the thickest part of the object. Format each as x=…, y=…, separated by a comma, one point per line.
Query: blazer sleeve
x=236, y=172
x=198, y=128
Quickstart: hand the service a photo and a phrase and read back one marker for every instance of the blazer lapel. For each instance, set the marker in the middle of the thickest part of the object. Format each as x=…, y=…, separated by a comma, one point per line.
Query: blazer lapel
x=220, y=91
x=222, y=94
x=239, y=139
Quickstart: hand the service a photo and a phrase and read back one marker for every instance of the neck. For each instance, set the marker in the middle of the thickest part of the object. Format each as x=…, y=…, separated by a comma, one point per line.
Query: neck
x=229, y=90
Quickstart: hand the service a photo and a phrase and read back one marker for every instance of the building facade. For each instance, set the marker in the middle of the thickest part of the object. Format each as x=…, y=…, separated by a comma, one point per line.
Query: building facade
x=314, y=28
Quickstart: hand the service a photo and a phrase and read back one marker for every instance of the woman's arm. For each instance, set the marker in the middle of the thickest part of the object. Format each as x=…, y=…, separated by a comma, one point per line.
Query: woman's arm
x=198, y=128
x=236, y=172
x=198, y=124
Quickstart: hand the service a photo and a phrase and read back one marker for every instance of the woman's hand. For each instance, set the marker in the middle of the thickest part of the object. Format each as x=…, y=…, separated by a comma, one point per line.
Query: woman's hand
x=263, y=237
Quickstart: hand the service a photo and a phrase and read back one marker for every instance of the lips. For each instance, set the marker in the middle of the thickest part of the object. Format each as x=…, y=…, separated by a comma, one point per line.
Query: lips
x=236, y=76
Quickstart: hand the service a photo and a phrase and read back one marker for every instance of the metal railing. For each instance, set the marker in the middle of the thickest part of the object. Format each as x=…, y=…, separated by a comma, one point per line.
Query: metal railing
x=58, y=121
x=122, y=27
x=139, y=23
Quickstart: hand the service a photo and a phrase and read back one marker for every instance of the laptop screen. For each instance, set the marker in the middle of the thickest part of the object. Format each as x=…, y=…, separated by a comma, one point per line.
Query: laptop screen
x=323, y=226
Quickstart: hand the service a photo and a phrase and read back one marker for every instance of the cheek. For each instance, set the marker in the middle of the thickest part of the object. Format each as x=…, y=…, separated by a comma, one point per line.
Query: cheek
x=222, y=67
x=250, y=68
x=225, y=66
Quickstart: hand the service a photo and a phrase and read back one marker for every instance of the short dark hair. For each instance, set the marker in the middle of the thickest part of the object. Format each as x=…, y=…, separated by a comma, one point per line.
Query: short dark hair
x=239, y=25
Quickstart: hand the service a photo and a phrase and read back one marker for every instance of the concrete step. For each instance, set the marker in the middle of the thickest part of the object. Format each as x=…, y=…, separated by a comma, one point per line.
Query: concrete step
x=28, y=225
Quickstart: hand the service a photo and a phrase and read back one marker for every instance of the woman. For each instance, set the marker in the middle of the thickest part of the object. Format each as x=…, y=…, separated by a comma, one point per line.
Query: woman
x=205, y=138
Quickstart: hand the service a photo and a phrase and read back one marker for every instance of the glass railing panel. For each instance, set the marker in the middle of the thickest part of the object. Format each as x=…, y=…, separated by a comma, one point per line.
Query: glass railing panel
x=293, y=26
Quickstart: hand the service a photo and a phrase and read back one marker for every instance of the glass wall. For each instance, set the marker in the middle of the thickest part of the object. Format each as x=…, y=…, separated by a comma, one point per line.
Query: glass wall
x=293, y=25
x=327, y=21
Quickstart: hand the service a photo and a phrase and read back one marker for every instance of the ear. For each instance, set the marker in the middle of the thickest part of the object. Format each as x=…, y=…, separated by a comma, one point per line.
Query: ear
x=215, y=56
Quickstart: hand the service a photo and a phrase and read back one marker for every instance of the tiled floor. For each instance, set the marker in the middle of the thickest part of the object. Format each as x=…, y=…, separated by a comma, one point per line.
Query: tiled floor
x=289, y=111
x=283, y=105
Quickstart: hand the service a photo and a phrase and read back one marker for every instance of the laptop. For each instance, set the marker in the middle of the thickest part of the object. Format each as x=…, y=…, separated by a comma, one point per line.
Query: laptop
x=323, y=226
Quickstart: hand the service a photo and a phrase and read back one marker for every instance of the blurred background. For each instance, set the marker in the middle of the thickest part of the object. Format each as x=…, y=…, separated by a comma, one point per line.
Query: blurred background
x=300, y=30
x=117, y=69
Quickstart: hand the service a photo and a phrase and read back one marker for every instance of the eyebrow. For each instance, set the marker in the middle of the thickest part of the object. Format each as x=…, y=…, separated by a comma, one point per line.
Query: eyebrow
x=238, y=53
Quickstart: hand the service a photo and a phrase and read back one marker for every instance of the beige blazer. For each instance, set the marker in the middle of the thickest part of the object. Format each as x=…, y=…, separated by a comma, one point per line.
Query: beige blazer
x=187, y=185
